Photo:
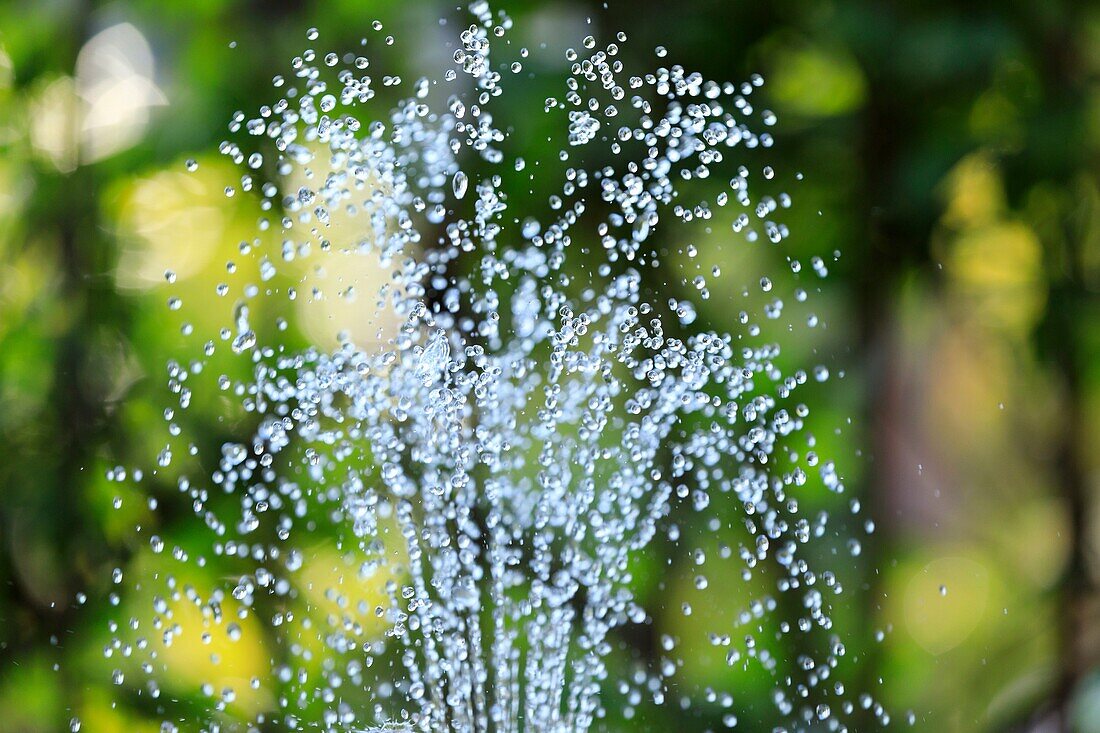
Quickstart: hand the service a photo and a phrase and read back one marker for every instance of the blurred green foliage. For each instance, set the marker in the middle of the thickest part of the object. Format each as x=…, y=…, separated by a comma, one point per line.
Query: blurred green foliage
x=950, y=155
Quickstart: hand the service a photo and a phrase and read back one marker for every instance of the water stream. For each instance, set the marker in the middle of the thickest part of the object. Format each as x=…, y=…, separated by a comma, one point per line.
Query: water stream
x=517, y=415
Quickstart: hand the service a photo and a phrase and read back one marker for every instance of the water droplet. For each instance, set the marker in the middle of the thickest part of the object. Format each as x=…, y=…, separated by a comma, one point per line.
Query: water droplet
x=459, y=184
x=244, y=341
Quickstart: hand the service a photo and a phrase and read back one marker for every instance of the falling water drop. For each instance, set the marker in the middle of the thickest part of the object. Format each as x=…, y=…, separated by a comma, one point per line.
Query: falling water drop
x=459, y=184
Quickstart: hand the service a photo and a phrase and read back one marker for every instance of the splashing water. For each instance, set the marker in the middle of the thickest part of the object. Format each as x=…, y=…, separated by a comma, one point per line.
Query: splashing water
x=515, y=435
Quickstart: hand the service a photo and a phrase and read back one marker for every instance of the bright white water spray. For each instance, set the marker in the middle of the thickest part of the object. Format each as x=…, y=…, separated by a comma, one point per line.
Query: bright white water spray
x=529, y=417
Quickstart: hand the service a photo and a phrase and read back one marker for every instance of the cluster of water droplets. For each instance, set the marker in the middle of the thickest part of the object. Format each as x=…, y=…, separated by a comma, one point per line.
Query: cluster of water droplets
x=492, y=463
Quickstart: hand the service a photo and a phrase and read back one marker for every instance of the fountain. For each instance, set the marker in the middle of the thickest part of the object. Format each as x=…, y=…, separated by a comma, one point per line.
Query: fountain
x=528, y=418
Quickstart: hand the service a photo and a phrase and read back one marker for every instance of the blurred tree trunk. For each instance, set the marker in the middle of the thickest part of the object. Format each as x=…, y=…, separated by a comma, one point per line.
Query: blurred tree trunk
x=1068, y=315
x=1080, y=650
x=891, y=245
x=1061, y=338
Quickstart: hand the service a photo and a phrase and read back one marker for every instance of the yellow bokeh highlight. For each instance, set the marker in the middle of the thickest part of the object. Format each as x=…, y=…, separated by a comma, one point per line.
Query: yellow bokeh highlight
x=999, y=268
x=201, y=650
x=346, y=302
x=339, y=287
x=995, y=261
x=815, y=80
x=974, y=192
x=55, y=124
x=944, y=602
x=337, y=588
x=223, y=662
x=175, y=220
